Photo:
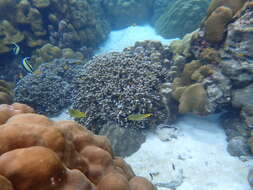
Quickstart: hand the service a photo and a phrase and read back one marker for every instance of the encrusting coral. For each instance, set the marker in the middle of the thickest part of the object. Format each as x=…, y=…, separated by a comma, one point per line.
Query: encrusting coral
x=65, y=155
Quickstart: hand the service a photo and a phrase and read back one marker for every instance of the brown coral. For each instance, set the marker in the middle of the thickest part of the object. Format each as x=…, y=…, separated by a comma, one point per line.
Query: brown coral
x=5, y=93
x=193, y=99
x=216, y=23
x=64, y=154
x=29, y=163
x=234, y=5
x=5, y=184
x=9, y=34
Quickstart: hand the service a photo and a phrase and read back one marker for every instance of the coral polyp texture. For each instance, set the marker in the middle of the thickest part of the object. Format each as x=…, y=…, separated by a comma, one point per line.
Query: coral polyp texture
x=37, y=153
x=116, y=85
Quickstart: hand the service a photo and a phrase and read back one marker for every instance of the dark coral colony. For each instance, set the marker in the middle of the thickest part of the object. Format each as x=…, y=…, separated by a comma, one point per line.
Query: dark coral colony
x=48, y=64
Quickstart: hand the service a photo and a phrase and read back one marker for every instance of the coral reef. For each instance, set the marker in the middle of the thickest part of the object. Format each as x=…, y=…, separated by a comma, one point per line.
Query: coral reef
x=64, y=154
x=116, y=85
x=49, y=52
x=50, y=88
x=126, y=13
x=67, y=24
x=220, y=13
x=218, y=60
x=181, y=18
x=5, y=93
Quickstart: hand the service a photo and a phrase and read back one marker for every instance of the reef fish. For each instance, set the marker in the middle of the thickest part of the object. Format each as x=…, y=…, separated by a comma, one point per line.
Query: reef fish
x=76, y=113
x=26, y=65
x=16, y=48
x=139, y=117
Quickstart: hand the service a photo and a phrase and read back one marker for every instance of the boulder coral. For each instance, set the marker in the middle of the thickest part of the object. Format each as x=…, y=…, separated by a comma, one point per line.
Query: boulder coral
x=234, y=5
x=5, y=184
x=37, y=153
x=216, y=24
x=188, y=89
x=5, y=93
x=193, y=99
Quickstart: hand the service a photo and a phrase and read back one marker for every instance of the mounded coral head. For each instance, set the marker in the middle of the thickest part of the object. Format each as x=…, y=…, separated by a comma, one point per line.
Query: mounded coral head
x=216, y=24
x=234, y=5
x=64, y=155
x=193, y=99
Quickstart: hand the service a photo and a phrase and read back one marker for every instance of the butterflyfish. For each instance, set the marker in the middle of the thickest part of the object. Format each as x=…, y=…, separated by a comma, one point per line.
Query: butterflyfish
x=16, y=48
x=76, y=113
x=26, y=65
x=139, y=117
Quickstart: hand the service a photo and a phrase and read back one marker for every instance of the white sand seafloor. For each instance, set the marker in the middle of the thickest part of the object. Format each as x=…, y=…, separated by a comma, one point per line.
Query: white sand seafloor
x=198, y=154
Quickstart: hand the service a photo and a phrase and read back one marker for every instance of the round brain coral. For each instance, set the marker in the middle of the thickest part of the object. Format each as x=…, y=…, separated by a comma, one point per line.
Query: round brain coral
x=116, y=85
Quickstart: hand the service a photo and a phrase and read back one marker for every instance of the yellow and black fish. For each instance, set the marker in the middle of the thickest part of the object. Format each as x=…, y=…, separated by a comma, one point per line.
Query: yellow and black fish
x=76, y=113
x=139, y=117
x=26, y=65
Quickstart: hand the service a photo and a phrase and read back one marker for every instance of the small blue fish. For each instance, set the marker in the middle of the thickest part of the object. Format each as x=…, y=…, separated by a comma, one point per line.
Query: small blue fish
x=16, y=48
x=26, y=65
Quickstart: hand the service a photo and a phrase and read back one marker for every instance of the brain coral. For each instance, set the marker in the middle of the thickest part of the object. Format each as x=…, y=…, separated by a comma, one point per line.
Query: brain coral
x=115, y=85
x=64, y=155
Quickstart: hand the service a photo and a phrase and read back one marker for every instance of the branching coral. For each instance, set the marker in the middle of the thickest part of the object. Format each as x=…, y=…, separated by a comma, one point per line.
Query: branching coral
x=116, y=85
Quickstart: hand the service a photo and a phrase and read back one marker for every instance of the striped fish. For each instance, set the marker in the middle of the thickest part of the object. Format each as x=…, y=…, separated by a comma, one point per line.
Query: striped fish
x=16, y=48
x=26, y=65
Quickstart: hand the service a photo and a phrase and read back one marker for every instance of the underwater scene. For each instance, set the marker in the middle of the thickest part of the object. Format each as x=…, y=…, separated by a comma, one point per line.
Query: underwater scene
x=126, y=94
